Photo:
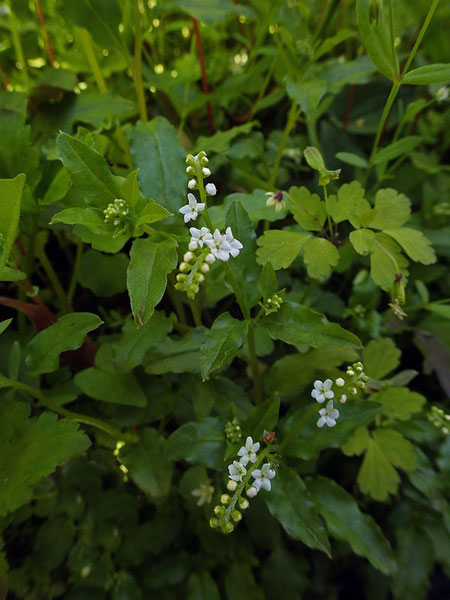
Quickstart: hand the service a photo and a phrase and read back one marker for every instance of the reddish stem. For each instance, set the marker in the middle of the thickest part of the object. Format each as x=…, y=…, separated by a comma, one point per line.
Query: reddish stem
x=51, y=56
x=348, y=108
x=201, y=60
x=4, y=78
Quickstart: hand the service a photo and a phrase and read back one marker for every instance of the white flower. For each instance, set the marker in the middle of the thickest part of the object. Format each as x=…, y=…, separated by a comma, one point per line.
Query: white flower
x=275, y=200
x=237, y=471
x=340, y=382
x=192, y=184
x=235, y=244
x=219, y=246
x=210, y=258
x=200, y=236
x=252, y=491
x=231, y=485
x=203, y=493
x=191, y=210
x=343, y=399
x=322, y=390
x=206, y=172
x=262, y=477
x=211, y=189
x=248, y=452
x=328, y=415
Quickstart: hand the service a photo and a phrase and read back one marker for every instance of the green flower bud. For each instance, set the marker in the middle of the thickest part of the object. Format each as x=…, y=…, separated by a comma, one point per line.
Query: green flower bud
x=236, y=516
x=314, y=158
x=213, y=522
x=225, y=498
x=227, y=527
x=243, y=503
x=219, y=511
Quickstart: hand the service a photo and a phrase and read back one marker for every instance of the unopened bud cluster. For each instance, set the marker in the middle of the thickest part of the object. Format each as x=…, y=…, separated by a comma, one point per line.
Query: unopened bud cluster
x=439, y=419
x=229, y=511
x=192, y=272
x=233, y=430
x=116, y=212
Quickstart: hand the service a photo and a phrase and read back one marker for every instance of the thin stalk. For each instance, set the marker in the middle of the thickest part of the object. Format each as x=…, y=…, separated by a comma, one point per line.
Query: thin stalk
x=176, y=299
x=68, y=414
x=264, y=86
x=76, y=268
x=52, y=276
x=138, y=66
x=18, y=49
x=201, y=60
x=48, y=44
x=391, y=33
x=293, y=114
x=85, y=40
x=195, y=313
x=325, y=195
x=253, y=363
x=420, y=36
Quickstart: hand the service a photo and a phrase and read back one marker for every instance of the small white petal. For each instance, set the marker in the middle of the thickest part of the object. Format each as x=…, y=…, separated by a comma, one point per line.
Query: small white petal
x=318, y=385
x=340, y=382
x=211, y=189
x=191, y=184
x=321, y=422
x=206, y=172
x=265, y=484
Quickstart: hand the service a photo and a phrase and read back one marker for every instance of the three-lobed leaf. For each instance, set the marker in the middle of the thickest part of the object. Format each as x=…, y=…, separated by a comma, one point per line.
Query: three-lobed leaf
x=280, y=248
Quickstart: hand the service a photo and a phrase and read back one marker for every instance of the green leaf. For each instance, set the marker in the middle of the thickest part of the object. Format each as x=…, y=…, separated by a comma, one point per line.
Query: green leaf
x=384, y=449
x=156, y=151
x=129, y=351
x=308, y=209
x=428, y=74
x=67, y=333
x=89, y=171
x=375, y=34
x=31, y=449
x=240, y=583
x=382, y=268
x=280, y=248
x=398, y=148
x=59, y=186
x=244, y=269
x=91, y=218
x=199, y=442
x=352, y=159
x=201, y=586
x=100, y=17
x=18, y=155
x=392, y=209
x=380, y=357
x=221, y=140
x=290, y=504
x=263, y=417
x=4, y=324
x=221, y=343
x=110, y=386
x=267, y=282
x=320, y=256
x=362, y=240
x=347, y=523
x=10, y=201
x=150, y=264
x=211, y=10
x=102, y=274
x=176, y=355
x=414, y=243
x=399, y=403
x=307, y=94
x=130, y=189
x=299, y=325
x=152, y=213
x=154, y=476
x=350, y=200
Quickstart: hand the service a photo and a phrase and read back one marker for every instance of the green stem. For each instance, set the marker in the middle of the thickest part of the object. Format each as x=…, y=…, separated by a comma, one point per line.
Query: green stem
x=420, y=36
x=138, y=66
x=76, y=268
x=293, y=114
x=330, y=225
x=391, y=32
x=68, y=414
x=85, y=39
x=253, y=363
x=195, y=313
x=53, y=277
x=18, y=49
x=204, y=200
x=299, y=425
x=264, y=86
x=176, y=299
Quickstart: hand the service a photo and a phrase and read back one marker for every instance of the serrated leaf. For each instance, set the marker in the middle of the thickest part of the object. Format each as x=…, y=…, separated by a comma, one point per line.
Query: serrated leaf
x=31, y=449
x=89, y=171
x=280, y=248
x=199, y=442
x=346, y=522
x=377, y=39
x=299, y=325
x=110, y=386
x=380, y=357
x=320, y=256
x=11, y=191
x=290, y=504
x=308, y=209
x=263, y=417
x=348, y=203
x=67, y=333
x=396, y=149
x=392, y=209
x=439, y=72
x=221, y=343
x=150, y=264
x=156, y=151
x=414, y=243
x=400, y=403
x=153, y=476
x=362, y=240
x=384, y=449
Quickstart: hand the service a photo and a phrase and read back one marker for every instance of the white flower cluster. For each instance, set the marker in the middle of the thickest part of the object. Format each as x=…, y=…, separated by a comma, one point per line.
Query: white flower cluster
x=222, y=245
x=322, y=391
x=196, y=166
x=238, y=470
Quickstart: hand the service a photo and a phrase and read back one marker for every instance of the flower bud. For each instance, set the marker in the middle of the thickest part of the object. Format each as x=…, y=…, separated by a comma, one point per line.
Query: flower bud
x=210, y=258
x=190, y=170
x=181, y=277
x=211, y=189
x=219, y=511
x=227, y=527
x=236, y=516
x=206, y=172
x=243, y=503
x=350, y=372
x=184, y=267
x=231, y=485
x=225, y=498
x=314, y=158
x=251, y=492
x=193, y=245
x=188, y=256
x=192, y=184
x=200, y=278
x=204, y=268
x=213, y=522
x=343, y=399
x=340, y=382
